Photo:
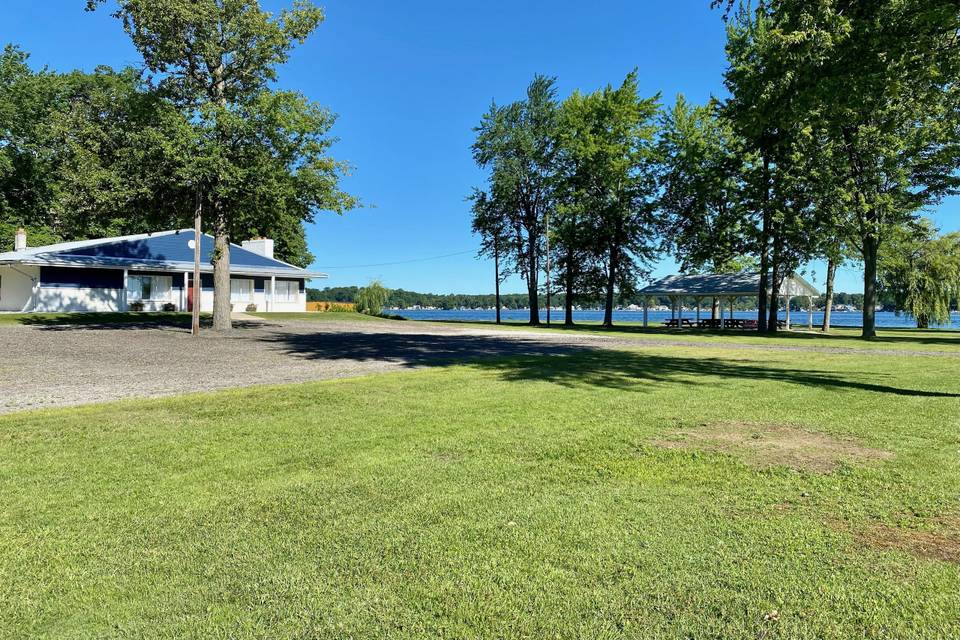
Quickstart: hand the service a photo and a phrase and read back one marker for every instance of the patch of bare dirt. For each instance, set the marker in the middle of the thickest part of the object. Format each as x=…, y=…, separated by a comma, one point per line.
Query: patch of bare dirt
x=770, y=445
x=938, y=539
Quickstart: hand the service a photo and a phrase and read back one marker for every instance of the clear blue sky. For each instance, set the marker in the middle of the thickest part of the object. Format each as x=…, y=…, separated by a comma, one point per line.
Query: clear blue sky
x=409, y=81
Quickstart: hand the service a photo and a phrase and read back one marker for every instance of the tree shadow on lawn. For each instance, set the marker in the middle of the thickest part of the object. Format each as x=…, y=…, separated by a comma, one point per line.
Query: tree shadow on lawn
x=941, y=337
x=529, y=359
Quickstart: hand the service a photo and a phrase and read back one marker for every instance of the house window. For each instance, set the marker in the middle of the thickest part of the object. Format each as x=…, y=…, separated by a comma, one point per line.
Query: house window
x=286, y=291
x=149, y=288
x=241, y=290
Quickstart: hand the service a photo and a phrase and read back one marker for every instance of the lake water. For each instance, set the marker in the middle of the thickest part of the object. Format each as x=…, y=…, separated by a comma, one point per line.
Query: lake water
x=886, y=319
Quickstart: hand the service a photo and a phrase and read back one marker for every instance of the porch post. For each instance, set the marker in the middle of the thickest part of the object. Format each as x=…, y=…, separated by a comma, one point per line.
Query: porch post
x=185, y=292
x=123, y=294
x=273, y=293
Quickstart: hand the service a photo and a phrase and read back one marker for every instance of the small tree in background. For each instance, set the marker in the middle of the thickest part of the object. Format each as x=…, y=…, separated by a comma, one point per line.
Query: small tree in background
x=372, y=298
x=922, y=271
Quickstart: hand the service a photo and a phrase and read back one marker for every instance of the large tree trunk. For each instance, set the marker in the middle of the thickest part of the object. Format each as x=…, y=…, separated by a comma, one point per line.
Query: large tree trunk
x=714, y=309
x=828, y=295
x=222, y=307
x=776, y=279
x=568, y=300
x=764, y=249
x=870, y=249
x=496, y=280
x=533, y=272
x=611, y=281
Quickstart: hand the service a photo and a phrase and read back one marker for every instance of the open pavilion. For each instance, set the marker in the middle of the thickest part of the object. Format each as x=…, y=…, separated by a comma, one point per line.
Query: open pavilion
x=725, y=288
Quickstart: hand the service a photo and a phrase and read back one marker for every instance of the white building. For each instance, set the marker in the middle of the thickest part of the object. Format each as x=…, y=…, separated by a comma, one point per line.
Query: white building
x=151, y=271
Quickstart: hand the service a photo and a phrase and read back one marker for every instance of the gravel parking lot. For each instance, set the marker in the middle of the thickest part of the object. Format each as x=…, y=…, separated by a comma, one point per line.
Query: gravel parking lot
x=57, y=365
x=50, y=365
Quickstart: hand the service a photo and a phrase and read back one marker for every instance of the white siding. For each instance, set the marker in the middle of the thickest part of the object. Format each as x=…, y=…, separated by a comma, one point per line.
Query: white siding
x=18, y=285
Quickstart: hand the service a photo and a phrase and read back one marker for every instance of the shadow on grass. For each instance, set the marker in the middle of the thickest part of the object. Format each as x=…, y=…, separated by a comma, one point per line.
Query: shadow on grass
x=529, y=358
x=943, y=337
x=120, y=321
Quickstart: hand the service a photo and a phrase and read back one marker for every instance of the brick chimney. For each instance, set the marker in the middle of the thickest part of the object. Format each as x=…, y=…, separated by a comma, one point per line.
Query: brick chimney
x=260, y=246
x=20, y=240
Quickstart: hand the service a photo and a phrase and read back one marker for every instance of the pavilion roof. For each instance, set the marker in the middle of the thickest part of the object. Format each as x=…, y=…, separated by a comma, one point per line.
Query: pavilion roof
x=724, y=284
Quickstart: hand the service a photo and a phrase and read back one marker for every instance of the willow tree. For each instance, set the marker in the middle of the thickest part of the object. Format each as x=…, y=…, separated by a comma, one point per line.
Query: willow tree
x=257, y=158
x=921, y=270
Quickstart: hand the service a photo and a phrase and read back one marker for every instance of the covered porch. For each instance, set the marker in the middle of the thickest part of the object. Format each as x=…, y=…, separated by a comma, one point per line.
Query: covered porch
x=722, y=290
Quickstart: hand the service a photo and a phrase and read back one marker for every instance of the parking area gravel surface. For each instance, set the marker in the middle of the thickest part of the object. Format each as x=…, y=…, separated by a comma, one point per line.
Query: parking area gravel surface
x=49, y=365
x=61, y=365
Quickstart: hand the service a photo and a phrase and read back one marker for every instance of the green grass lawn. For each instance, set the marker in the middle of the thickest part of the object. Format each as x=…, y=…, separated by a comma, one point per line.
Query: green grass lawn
x=521, y=498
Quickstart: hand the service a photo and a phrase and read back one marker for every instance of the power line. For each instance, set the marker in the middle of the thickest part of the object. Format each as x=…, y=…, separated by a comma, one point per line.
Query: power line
x=389, y=264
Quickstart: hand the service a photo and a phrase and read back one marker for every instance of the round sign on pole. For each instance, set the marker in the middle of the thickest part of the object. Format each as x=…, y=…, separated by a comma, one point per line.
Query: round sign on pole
x=192, y=244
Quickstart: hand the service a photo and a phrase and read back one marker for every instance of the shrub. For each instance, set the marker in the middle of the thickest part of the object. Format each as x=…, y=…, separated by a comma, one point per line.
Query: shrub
x=371, y=298
x=331, y=307
x=251, y=308
x=136, y=306
x=169, y=306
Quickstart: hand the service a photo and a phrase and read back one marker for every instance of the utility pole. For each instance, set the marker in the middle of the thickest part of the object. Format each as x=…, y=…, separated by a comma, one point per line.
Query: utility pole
x=195, y=328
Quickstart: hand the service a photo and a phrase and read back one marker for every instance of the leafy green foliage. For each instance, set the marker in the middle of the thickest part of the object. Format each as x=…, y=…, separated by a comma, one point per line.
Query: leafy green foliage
x=256, y=157
x=922, y=271
x=610, y=161
x=371, y=299
x=516, y=143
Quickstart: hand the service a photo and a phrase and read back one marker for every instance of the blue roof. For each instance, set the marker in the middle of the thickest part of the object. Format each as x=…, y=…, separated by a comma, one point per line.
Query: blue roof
x=172, y=247
x=165, y=250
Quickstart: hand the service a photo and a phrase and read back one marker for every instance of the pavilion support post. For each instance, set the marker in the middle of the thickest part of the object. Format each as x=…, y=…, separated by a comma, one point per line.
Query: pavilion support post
x=721, y=315
x=732, y=300
x=698, y=310
x=679, y=312
x=646, y=310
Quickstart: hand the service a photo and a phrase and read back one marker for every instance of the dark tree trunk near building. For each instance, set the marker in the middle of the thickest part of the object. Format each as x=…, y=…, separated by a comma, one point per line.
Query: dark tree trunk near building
x=222, y=307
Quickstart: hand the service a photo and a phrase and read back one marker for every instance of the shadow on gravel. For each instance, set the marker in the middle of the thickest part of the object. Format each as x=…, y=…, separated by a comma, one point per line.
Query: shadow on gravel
x=569, y=365
x=125, y=321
